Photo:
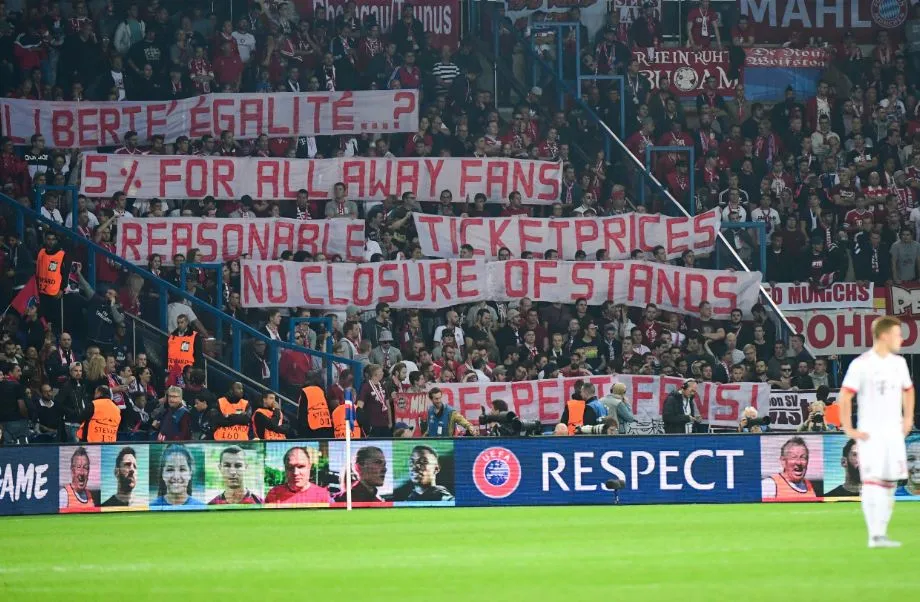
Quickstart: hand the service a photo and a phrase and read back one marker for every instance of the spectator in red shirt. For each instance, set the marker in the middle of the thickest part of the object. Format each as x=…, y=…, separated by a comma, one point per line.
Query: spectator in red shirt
x=515, y=206
x=228, y=68
x=408, y=75
x=702, y=26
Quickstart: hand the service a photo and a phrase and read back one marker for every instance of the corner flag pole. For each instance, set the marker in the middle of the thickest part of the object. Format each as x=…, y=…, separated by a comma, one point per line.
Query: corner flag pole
x=349, y=424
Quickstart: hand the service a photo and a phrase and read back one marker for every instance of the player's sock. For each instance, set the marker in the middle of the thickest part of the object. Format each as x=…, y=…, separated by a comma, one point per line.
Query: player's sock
x=887, y=508
x=872, y=496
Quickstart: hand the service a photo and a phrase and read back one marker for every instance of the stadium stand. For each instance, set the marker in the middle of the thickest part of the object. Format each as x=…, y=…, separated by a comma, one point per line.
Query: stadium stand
x=801, y=207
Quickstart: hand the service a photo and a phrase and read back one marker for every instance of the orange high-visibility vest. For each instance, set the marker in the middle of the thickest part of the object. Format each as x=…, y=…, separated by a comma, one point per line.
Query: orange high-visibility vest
x=103, y=426
x=180, y=352
x=317, y=409
x=48, y=276
x=236, y=432
x=832, y=415
x=268, y=434
x=784, y=490
x=338, y=423
x=73, y=502
x=576, y=409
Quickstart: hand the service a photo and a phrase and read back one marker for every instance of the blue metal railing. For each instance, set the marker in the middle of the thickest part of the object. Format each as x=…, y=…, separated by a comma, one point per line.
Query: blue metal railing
x=167, y=289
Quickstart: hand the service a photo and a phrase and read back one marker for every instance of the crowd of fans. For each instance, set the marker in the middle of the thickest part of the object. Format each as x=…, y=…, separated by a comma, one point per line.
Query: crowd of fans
x=833, y=177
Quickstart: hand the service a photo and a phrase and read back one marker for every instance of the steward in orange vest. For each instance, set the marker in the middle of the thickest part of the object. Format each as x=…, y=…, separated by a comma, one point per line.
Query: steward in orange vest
x=339, y=426
x=268, y=421
x=100, y=419
x=52, y=271
x=314, y=414
x=182, y=348
x=236, y=416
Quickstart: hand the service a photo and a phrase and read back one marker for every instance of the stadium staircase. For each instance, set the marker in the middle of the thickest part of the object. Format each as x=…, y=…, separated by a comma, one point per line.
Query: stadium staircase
x=562, y=81
x=223, y=359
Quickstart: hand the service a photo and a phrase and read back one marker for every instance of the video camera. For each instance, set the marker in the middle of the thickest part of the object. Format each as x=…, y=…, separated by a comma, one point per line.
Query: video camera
x=761, y=421
x=507, y=424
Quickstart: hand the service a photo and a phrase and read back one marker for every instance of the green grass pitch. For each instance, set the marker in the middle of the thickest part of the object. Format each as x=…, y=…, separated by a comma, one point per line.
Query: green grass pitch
x=786, y=552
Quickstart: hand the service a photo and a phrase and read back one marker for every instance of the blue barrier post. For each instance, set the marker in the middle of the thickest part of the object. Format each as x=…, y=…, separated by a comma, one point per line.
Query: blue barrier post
x=692, y=164
x=219, y=268
x=327, y=322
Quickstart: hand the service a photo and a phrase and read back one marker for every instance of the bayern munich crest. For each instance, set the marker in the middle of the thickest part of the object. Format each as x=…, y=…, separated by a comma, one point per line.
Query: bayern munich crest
x=496, y=472
x=889, y=13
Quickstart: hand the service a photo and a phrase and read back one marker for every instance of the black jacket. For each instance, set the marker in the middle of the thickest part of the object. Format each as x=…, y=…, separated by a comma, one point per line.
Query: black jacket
x=72, y=399
x=673, y=413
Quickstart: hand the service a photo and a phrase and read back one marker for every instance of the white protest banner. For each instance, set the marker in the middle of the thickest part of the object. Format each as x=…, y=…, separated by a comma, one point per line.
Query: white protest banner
x=904, y=300
x=367, y=179
x=544, y=400
x=442, y=236
x=789, y=409
x=430, y=284
x=846, y=332
x=847, y=295
x=225, y=239
x=278, y=115
x=635, y=283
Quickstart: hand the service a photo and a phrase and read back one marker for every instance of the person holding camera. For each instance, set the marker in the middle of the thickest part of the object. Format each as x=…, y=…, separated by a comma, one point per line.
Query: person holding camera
x=750, y=423
x=815, y=422
x=617, y=405
x=680, y=414
x=607, y=426
x=443, y=419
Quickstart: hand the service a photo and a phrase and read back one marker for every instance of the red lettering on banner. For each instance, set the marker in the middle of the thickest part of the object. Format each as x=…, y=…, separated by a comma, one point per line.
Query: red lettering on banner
x=578, y=280
x=354, y=241
x=223, y=121
x=702, y=224
x=109, y=123
x=465, y=225
x=152, y=240
x=206, y=243
x=497, y=175
x=522, y=395
x=440, y=280
x=467, y=272
x=305, y=272
x=388, y=282
x=643, y=221
x=62, y=129
x=251, y=113
x=723, y=288
x=85, y=127
x=467, y=179
x=267, y=179
x=615, y=232
x=341, y=118
x=612, y=267
x=421, y=294
x=467, y=404
x=586, y=231
x=642, y=390
x=91, y=173
x=380, y=187
x=234, y=230
x=353, y=174
x=434, y=168
x=153, y=122
x=131, y=112
x=275, y=130
x=523, y=181
x=277, y=285
x=307, y=237
x=668, y=291
x=166, y=176
x=547, y=396
x=526, y=238
x=496, y=229
x=223, y=177
x=317, y=102
x=727, y=408
x=181, y=238
x=557, y=226
x=513, y=266
x=129, y=237
x=198, y=119
x=540, y=277
x=363, y=288
x=284, y=237
x=641, y=284
x=196, y=177
x=549, y=176
x=676, y=231
x=430, y=221
x=8, y=125
x=406, y=177
x=258, y=245
x=253, y=292
x=691, y=299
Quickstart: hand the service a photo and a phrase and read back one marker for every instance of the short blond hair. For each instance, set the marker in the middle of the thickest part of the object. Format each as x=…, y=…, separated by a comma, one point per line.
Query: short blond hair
x=882, y=325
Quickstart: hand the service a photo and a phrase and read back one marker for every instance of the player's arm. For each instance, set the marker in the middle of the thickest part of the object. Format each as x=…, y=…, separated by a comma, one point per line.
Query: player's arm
x=907, y=402
x=845, y=400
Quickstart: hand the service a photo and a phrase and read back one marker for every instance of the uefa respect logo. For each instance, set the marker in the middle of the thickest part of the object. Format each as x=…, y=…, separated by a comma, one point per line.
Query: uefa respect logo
x=496, y=472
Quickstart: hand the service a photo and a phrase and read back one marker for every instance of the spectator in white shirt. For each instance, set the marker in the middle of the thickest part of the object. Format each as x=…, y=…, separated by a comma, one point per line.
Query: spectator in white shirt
x=245, y=41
